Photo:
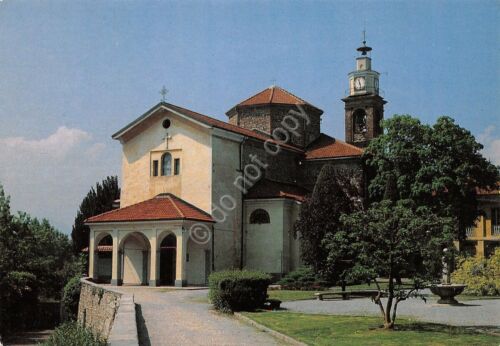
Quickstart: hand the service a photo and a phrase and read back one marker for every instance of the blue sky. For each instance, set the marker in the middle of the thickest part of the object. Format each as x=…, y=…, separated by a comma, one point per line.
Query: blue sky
x=74, y=72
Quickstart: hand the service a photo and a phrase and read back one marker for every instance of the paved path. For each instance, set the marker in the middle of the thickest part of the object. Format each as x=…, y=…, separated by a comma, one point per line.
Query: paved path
x=183, y=317
x=471, y=313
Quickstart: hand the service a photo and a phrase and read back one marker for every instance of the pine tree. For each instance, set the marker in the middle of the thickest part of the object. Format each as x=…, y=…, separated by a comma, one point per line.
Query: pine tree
x=319, y=221
x=97, y=201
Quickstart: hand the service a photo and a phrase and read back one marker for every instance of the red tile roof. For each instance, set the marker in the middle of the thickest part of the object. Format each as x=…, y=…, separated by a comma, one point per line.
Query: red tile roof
x=226, y=126
x=165, y=206
x=275, y=95
x=327, y=147
x=489, y=192
x=266, y=188
x=101, y=248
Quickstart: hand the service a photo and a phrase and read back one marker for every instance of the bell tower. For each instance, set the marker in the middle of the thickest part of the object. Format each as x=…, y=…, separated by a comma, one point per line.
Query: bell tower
x=364, y=107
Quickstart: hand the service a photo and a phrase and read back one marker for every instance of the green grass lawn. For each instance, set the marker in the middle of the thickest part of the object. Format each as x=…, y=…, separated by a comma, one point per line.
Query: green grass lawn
x=358, y=330
x=289, y=295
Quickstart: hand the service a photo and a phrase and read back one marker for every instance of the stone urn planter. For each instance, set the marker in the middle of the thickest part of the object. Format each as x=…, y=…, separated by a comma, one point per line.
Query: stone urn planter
x=447, y=292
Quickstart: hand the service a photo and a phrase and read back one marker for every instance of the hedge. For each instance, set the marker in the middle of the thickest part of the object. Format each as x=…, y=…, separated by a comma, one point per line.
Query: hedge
x=71, y=298
x=238, y=290
x=72, y=333
x=303, y=279
x=481, y=275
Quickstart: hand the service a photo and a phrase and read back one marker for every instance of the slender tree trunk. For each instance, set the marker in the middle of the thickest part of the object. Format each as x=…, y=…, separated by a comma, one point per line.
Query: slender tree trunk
x=394, y=312
x=388, y=323
x=378, y=301
x=342, y=283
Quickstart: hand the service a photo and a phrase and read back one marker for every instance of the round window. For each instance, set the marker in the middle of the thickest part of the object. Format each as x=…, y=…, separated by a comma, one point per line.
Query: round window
x=166, y=123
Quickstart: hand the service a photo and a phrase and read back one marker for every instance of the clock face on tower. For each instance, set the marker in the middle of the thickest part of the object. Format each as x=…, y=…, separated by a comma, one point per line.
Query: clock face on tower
x=359, y=83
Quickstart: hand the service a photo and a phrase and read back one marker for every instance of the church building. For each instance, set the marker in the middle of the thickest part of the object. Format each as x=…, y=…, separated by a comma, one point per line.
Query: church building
x=201, y=195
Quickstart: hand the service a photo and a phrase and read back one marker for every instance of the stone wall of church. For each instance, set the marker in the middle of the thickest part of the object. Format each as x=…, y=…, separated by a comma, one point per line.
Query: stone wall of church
x=307, y=133
x=254, y=118
x=373, y=105
x=310, y=170
x=267, y=118
x=281, y=167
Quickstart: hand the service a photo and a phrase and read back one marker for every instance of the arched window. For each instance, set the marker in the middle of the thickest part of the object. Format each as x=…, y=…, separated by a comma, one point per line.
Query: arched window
x=259, y=216
x=166, y=164
x=359, y=121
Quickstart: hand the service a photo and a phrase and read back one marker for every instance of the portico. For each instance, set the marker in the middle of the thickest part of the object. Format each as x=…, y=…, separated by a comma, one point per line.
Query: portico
x=161, y=251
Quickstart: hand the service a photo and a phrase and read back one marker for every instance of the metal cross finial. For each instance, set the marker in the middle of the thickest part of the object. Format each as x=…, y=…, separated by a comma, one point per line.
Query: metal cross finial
x=273, y=82
x=166, y=138
x=163, y=93
x=364, y=49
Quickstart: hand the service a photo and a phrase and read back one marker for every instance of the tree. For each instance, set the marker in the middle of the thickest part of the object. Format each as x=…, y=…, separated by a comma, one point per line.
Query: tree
x=319, y=220
x=35, y=262
x=97, y=201
x=437, y=166
x=395, y=238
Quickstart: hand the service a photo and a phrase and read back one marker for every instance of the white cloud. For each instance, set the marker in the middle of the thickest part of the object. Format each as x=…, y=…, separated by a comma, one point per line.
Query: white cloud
x=48, y=177
x=58, y=144
x=95, y=150
x=491, y=141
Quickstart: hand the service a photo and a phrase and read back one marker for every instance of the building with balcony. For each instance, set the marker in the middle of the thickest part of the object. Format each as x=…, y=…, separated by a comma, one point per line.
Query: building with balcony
x=484, y=237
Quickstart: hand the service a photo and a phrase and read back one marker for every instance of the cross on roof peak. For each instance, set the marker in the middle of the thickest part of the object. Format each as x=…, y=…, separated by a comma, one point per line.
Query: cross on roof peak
x=163, y=93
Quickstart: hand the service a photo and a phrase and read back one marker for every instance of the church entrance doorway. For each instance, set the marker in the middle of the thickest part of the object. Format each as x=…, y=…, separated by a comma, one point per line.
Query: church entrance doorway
x=104, y=254
x=168, y=255
x=135, y=259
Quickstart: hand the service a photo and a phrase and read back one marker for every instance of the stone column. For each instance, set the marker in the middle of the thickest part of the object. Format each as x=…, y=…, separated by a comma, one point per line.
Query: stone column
x=115, y=260
x=180, y=266
x=480, y=248
x=153, y=270
x=92, y=256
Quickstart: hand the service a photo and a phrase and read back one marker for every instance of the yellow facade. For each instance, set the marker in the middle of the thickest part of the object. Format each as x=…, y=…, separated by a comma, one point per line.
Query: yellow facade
x=485, y=235
x=187, y=141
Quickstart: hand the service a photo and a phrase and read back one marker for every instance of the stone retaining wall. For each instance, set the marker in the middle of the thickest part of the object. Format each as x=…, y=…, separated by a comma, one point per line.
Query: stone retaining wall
x=108, y=313
x=97, y=308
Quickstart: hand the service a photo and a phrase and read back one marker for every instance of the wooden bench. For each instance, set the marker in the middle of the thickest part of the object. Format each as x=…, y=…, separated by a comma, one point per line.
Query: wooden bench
x=346, y=294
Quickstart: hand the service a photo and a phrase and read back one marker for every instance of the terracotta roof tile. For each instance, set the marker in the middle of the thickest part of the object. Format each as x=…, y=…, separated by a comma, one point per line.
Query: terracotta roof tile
x=266, y=188
x=101, y=248
x=165, y=206
x=275, y=95
x=327, y=147
x=492, y=191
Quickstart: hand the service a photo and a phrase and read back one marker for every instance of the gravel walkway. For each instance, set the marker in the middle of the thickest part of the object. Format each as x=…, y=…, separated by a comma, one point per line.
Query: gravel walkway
x=469, y=313
x=183, y=317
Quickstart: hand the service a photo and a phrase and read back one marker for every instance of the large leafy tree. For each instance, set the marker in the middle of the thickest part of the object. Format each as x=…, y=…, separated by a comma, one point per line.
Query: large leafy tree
x=98, y=200
x=35, y=261
x=336, y=192
x=396, y=237
x=437, y=166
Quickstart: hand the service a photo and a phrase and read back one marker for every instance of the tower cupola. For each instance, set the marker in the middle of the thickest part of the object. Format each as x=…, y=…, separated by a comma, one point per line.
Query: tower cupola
x=364, y=80
x=364, y=107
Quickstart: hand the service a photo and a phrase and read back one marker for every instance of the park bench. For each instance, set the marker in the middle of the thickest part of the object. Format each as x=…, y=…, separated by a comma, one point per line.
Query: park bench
x=346, y=294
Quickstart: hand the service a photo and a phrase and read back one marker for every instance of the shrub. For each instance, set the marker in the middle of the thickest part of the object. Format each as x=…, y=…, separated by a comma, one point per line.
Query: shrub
x=237, y=290
x=72, y=333
x=18, y=301
x=302, y=279
x=70, y=299
x=482, y=276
